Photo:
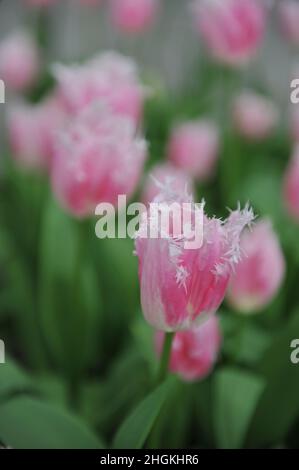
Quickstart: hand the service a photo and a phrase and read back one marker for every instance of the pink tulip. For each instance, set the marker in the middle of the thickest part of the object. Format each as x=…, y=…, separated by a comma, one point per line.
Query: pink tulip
x=289, y=19
x=32, y=130
x=291, y=186
x=231, y=29
x=96, y=159
x=259, y=274
x=254, y=116
x=193, y=352
x=110, y=77
x=133, y=16
x=163, y=175
x=181, y=286
x=194, y=147
x=19, y=61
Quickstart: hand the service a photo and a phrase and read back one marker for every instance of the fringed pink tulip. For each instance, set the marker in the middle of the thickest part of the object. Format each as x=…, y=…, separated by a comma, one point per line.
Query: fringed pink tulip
x=180, y=286
x=98, y=158
x=194, y=147
x=133, y=16
x=291, y=186
x=231, y=29
x=254, y=116
x=259, y=274
x=32, y=131
x=110, y=78
x=19, y=61
x=193, y=352
x=165, y=175
x=289, y=20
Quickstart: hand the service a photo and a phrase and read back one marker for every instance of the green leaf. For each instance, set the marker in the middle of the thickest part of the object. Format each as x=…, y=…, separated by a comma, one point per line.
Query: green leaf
x=26, y=423
x=278, y=406
x=13, y=379
x=136, y=428
x=235, y=397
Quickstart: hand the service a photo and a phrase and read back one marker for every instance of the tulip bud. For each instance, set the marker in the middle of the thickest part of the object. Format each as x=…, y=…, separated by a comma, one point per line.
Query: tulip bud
x=193, y=352
x=96, y=159
x=254, y=116
x=164, y=175
x=193, y=147
x=291, y=186
x=32, y=130
x=231, y=29
x=289, y=20
x=259, y=274
x=182, y=284
x=110, y=78
x=19, y=61
x=133, y=16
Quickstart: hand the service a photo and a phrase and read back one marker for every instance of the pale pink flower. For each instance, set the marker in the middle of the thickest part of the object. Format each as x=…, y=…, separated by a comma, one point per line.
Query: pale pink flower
x=32, y=131
x=110, y=77
x=181, y=286
x=194, y=147
x=134, y=16
x=19, y=61
x=193, y=352
x=96, y=159
x=289, y=20
x=231, y=29
x=260, y=273
x=291, y=186
x=161, y=175
x=254, y=116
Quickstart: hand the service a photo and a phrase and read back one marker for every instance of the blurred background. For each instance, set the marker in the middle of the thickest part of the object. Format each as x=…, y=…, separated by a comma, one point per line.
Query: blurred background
x=79, y=356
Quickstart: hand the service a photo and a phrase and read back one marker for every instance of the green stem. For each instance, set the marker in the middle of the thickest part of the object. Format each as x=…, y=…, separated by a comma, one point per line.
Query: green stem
x=164, y=362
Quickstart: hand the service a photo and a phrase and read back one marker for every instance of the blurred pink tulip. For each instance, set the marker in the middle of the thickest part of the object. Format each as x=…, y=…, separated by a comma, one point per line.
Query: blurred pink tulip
x=193, y=352
x=98, y=158
x=289, y=19
x=163, y=175
x=291, y=186
x=181, y=286
x=19, y=61
x=260, y=273
x=32, y=130
x=110, y=77
x=231, y=29
x=133, y=16
x=193, y=147
x=254, y=116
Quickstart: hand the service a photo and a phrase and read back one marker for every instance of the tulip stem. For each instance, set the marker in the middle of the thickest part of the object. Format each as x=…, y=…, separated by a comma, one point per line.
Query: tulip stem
x=165, y=357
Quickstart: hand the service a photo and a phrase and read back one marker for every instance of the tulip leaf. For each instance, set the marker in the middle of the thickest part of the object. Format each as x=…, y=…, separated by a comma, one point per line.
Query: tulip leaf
x=27, y=423
x=136, y=428
x=236, y=394
x=13, y=380
x=278, y=407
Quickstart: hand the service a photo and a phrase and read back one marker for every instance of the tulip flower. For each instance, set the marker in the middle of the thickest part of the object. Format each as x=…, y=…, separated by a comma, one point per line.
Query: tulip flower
x=19, y=61
x=254, y=116
x=32, y=130
x=110, y=77
x=163, y=175
x=133, y=16
x=96, y=159
x=231, y=29
x=289, y=20
x=291, y=186
x=193, y=147
x=181, y=286
x=259, y=274
x=193, y=352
